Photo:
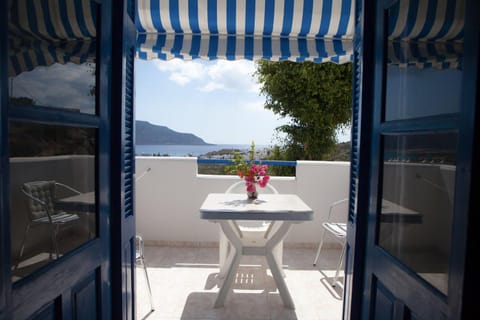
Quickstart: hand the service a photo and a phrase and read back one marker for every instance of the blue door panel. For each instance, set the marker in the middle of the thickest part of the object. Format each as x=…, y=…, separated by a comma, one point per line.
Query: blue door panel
x=384, y=302
x=85, y=298
x=386, y=278
x=50, y=311
x=78, y=283
x=123, y=160
x=128, y=279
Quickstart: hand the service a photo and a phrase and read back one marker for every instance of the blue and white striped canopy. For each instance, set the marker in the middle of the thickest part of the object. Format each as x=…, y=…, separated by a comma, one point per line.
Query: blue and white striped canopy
x=426, y=33
x=44, y=32
x=42, y=53
x=438, y=54
x=426, y=20
x=187, y=47
x=422, y=33
x=296, y=30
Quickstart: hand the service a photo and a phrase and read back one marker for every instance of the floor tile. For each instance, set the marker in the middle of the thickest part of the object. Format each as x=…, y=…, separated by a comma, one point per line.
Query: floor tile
x=185, y=284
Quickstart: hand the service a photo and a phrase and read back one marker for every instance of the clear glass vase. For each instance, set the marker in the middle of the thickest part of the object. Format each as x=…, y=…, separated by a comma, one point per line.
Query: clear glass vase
x=252, y=195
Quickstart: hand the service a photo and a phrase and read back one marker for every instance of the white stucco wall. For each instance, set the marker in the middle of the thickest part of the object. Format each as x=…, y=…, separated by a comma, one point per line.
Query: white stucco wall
x=168, y=198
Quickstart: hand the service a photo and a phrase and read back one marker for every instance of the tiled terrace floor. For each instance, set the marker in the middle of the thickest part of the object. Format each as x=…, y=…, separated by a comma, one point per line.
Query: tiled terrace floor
x=184, y=286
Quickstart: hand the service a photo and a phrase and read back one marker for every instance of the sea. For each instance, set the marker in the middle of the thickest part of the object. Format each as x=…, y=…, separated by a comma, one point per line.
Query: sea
x=187, y=150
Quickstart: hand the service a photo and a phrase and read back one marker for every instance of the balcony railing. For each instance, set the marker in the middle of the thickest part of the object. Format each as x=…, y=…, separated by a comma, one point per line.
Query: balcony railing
x=169, y=196
x=170, y=192
x=278, y=163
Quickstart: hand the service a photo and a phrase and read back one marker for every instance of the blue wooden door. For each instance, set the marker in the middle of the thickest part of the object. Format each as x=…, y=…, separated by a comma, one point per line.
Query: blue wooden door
x=413, y=161
x=65, y=135
x=123, y=160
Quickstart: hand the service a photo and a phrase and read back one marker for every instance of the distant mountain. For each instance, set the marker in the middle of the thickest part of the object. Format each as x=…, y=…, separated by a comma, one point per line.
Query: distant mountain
x=147, y=133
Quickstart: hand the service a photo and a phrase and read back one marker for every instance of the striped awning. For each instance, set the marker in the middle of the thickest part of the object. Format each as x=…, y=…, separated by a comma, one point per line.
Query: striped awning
x=296, y=30
x=187, y=47
x=427, y=20
x=26, y=57
x=438, y=54
x=422, y=33
x=53, y=20
x=426, y=33
x=44, y=32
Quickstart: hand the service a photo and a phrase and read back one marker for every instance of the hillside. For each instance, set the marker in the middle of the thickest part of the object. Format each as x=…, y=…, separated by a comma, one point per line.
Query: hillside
x=147, y=133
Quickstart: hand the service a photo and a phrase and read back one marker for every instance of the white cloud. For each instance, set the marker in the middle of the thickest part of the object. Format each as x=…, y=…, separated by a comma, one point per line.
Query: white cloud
x=212, y=75
x=58, y=85
x=256, y=106
x=181, y=71
x=233, y=76
x=212, y=86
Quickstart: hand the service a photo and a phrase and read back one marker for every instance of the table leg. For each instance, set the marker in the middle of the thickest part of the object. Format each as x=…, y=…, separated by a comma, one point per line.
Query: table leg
x=232, y=262
x=275, y=268
x=226, y=263
x=223, y=253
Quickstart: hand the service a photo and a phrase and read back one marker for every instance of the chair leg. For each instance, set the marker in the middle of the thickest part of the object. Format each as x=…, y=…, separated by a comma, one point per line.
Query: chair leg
x=319, y=249
x=340, y=261
x=54, y=240
x=22, y=247
x=148, y=283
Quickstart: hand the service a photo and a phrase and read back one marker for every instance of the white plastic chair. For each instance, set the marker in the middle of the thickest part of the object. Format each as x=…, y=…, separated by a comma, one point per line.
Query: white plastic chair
x=337, y=227
x=140, y=259
x=249, y=231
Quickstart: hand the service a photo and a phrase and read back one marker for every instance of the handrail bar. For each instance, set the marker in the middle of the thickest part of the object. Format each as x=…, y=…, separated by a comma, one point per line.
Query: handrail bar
x=279, y=163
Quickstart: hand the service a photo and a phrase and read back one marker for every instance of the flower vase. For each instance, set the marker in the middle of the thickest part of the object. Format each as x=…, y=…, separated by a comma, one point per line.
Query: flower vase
x=252, y=195
x=252, y=192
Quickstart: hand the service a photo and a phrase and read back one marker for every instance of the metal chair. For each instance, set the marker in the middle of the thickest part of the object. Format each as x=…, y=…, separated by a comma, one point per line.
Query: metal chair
x=41, y=197
x=248, y=230
x=139, y=259
x=336, y=227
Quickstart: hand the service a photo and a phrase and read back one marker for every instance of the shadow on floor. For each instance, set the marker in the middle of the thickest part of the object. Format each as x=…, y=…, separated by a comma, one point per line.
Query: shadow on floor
x=247, y=278
x=239, y=306
x=185, y=284
x=337, y=290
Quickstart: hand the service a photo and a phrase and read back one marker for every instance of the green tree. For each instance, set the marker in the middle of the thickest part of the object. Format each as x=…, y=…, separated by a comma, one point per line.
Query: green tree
x=315, y=97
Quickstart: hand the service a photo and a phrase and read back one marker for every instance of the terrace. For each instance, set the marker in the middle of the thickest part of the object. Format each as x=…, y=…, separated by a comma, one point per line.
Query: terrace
x=189, y=275
x=182, y=251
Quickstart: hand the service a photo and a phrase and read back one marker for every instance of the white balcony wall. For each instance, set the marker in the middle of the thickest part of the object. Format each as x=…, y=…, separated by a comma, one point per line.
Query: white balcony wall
x=169, y=196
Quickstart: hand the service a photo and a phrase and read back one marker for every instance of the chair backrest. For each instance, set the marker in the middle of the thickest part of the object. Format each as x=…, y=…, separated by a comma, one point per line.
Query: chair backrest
x=240, y=187
x=40, y=196
x=338, y=211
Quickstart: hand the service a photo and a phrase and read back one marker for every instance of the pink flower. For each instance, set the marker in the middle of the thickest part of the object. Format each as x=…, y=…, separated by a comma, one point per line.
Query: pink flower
x=263, y=181
x=251, y=187
x=252, y=173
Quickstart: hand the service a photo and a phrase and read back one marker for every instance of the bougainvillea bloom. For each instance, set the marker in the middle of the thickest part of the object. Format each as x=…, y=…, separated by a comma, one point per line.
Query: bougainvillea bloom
x=252, y=173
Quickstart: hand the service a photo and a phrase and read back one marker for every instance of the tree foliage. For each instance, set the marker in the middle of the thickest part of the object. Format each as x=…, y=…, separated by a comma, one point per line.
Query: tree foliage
x=315, y=97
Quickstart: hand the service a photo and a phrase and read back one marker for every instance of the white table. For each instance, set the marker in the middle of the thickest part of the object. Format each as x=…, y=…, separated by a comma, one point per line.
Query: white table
x=225, y=208
x=83, y=203
x=394, y=213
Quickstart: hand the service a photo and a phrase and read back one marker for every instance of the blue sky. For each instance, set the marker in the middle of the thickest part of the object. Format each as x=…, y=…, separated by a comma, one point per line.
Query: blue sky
x=219, y=100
